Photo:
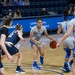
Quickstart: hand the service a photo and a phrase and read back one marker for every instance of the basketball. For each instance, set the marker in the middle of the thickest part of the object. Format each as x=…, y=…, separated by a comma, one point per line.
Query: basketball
x=52, y=44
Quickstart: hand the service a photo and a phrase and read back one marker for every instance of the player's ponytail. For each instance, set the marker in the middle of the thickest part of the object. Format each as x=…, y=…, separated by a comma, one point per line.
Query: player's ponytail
x=18, y=27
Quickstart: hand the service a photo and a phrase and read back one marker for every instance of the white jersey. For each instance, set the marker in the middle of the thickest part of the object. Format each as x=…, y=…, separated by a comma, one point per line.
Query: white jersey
x=65, y=26
x=69, y=42
x=72, y=22
x=38, y=33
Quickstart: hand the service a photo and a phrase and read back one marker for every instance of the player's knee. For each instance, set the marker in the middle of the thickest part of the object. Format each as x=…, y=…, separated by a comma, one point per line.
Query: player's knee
x=19, y=54
x=68, y=52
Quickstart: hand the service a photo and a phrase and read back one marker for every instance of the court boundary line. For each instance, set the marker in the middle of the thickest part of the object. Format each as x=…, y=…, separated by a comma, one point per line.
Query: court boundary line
x=26, y=67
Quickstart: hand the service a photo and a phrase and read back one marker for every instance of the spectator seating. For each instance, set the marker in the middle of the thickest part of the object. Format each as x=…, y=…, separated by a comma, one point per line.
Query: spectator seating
x=35, y=7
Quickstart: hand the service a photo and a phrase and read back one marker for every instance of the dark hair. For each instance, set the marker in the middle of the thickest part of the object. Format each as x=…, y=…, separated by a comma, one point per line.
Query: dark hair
x=18, y=11
x=65, y=18
x=38, y=19
x=18, y=27
x=6, y=20
x=65, y=12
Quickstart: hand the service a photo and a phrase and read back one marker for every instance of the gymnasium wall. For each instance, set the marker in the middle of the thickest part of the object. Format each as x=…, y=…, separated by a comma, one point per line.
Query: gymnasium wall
x=50, y=22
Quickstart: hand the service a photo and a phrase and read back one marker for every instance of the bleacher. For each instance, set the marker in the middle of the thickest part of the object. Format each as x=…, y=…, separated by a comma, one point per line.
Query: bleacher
x=35, y=7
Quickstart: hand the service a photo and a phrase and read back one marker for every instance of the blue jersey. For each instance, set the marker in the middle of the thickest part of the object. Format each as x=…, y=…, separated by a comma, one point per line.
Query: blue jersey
x=13, y=37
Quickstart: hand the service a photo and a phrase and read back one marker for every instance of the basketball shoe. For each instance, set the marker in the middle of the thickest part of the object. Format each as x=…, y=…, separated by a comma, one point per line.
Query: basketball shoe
x=66, y=67
x=20, y=71
x=35, y=66
x=41, y=60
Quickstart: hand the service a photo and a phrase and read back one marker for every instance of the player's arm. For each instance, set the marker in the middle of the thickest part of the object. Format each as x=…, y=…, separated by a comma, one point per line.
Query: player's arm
x=20, y=35
x=3, y=37
x=46, y=34
x=32, y=39
x=59, y=29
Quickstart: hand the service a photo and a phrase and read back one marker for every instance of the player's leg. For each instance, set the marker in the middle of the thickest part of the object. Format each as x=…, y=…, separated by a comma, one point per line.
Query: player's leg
x=14, y=51
x=66, y=63
x=35, y=55
x=73, y=62
x=67, y=56
x=2, y=72
x=41, y=50
x=2, y=69
x=3, y=56
x=68, y=53
x=19, y=60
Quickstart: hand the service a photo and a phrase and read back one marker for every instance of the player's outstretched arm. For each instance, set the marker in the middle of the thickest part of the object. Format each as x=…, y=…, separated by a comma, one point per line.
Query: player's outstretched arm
x=46, y=34
x=67, y=34
x=59, y=29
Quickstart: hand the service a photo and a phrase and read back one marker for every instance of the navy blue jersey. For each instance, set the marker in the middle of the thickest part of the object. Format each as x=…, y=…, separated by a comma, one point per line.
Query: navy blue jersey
x=4, y=30
x=13, y=37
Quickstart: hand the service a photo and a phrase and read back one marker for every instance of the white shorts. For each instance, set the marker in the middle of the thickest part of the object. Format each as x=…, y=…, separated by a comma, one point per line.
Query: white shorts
x=69, y=42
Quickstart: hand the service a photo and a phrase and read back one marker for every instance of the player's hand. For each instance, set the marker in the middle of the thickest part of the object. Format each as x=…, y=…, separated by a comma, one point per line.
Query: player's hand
x=58, y=44
x=24, y=40
x=10, y=58
x=38, y=42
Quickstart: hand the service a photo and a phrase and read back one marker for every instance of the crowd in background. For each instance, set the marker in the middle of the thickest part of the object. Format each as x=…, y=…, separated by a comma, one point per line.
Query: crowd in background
x=18, y=12
x=14, y=2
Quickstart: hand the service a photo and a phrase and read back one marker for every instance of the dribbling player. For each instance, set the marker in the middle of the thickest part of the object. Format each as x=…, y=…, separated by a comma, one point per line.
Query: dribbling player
x=36, y=44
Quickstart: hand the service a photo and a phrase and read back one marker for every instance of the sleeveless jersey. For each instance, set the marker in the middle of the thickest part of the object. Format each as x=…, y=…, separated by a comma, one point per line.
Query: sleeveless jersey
x=13, y=37
x=65, y=26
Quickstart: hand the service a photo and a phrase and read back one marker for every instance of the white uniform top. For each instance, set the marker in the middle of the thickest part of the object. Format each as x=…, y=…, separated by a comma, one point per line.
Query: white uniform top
x=72, y=22
x=65, y=26
x=68, y=43
x=38, y=33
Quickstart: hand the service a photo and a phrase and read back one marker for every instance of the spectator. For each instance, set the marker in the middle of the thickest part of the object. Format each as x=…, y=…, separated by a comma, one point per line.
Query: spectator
x=5, y=3
x=16, y=3
x=71, y=1
x=27, y=2
x=70, y=10
x=10, y=2
x=21, y=2
x=10, y=13
x=1, y=3
x=74, y=11
x=17, y=14
x=44, y=12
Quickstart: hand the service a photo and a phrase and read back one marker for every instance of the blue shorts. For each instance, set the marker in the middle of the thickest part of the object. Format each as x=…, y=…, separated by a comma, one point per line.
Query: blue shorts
x=1, y=65
x=31, y=43
x=12, y=50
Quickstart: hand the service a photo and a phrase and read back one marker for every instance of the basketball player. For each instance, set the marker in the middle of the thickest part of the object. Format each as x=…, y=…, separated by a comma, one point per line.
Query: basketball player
x=67, y=34
x=36, y=43
x=13, y=39
x=6, y=23
x=67, y=44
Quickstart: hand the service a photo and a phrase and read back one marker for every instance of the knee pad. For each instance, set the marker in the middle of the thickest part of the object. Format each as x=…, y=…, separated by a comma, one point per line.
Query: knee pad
x=68, y=52
x=1, y=65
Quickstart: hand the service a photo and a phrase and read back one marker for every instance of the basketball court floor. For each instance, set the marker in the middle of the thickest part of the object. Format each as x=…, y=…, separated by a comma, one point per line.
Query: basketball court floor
x=53, y=60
